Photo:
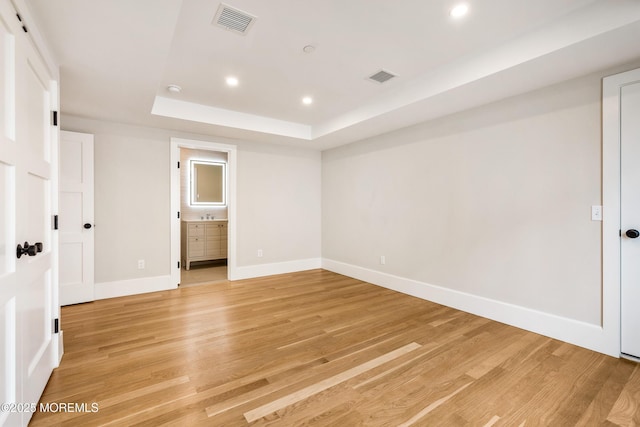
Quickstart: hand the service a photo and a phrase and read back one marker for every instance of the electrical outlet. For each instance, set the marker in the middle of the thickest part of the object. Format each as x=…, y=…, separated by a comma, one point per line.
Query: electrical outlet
x=383, y=260
x=259, y=253
x=140, y=264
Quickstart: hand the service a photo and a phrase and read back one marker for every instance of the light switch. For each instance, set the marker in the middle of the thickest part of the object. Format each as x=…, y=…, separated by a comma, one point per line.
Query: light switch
x=596, y=213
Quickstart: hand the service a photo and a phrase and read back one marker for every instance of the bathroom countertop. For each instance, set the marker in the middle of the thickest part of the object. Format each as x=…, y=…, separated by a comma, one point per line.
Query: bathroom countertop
x=206, y=220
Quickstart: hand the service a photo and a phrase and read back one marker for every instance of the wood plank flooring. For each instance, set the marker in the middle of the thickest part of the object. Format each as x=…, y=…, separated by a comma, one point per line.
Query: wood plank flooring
x=203, y=272
x=317, y=348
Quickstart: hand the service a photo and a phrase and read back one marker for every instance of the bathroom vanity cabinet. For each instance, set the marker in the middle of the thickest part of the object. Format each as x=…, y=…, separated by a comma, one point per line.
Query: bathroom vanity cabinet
x=203, y=240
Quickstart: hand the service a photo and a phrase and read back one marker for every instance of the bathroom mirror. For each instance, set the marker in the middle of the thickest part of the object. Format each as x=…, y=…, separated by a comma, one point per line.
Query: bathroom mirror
x=208, y=183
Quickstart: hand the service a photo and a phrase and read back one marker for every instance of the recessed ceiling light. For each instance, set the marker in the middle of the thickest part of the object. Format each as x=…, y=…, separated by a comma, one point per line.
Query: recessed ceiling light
x=307, y=100
x=309, y=48
x=459, y=11
x=232, y=81
x=174, y=88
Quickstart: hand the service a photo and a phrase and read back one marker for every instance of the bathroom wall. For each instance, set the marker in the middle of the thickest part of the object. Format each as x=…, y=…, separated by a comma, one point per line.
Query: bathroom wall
x=187, y=211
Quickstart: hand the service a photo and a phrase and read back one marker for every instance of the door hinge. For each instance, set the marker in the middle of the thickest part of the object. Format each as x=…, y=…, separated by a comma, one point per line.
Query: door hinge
x=178, y=165
x=56, y=326
x=55, y=222
x=54, y=118
x=178, y=265
x=24, y=27
x=178, y=214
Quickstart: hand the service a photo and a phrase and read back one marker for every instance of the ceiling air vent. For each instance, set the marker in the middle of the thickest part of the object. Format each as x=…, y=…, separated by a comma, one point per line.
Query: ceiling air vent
x=233, y=19
x=381, y=76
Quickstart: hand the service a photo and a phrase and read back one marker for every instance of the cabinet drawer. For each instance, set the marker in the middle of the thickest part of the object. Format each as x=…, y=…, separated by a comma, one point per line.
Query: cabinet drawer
x=196, y=230
x=196, y=247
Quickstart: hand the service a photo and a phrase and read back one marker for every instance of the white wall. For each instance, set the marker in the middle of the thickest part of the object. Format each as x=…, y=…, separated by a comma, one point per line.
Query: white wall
x=493, y=202
x=131, y=205
x=278, y=204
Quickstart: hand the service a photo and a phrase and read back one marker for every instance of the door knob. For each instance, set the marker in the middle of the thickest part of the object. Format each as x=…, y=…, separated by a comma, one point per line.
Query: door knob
x=30, y=250
x=632, y=234
x=87, y=226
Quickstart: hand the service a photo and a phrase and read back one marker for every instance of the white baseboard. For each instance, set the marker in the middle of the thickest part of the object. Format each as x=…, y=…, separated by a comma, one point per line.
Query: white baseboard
x=121, y=288
x=592, y=337
x=259, y=270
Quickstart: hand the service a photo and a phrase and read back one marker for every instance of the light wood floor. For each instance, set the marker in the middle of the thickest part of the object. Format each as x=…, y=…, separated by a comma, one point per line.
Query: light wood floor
x=317, y=348
x=203, y=272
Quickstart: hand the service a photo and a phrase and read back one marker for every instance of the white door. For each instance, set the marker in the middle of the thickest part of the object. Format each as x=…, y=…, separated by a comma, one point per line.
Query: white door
x=28, y=285
x=630, y=218
x=8, y=280
x=76, y=218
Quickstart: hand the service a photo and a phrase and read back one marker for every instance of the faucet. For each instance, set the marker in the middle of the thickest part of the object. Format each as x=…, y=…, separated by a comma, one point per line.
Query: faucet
x=208, y=216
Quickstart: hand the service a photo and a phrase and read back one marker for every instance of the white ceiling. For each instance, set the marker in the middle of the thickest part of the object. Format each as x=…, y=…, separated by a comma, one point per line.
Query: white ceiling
x=117, y=57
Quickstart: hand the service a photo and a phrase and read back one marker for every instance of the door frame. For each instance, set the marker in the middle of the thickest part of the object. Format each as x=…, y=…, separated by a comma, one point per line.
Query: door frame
x=611, y=186
x=231, y=150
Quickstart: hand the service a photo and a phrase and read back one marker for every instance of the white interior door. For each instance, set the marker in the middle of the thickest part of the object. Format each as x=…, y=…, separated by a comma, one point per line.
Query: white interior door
x=28, y=285
x=76, y=218
x=630, y=219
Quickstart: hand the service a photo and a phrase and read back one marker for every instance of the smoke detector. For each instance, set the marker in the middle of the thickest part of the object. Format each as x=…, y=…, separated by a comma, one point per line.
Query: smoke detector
x=381, y=76
x=233, y=19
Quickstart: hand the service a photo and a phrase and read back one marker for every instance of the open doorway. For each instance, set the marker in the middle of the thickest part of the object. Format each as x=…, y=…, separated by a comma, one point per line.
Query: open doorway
x=203, y=217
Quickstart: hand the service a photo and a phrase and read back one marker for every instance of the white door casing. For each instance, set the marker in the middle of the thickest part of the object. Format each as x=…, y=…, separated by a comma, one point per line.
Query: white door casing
x=630, y=219
x=76, y=218
x=231, y=150
x=612, y=228
x=28, y=166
